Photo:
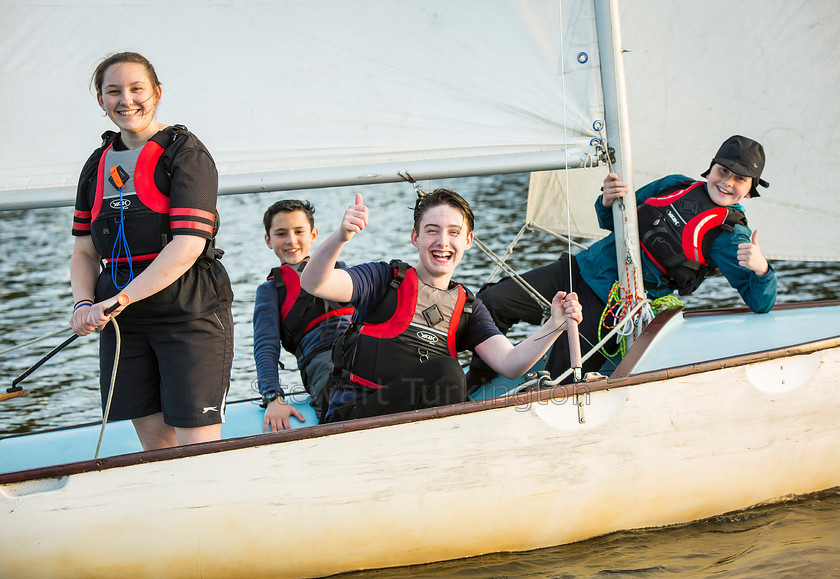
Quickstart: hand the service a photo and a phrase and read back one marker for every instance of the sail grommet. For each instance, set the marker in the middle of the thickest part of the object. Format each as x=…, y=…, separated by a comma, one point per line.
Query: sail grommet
x=594, y=142
x=598, y=125
x=582, y=57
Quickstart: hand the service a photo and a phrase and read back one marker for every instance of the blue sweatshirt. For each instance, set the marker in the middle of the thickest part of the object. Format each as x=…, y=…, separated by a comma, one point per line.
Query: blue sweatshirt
x=267, y=342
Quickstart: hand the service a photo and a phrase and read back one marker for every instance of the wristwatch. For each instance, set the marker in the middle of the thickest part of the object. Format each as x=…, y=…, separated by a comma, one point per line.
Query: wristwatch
x=269, y=397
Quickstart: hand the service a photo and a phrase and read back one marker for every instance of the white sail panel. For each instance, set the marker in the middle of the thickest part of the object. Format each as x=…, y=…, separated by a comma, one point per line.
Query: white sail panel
x=700, y=72
x=296, y=87
x=550, y=207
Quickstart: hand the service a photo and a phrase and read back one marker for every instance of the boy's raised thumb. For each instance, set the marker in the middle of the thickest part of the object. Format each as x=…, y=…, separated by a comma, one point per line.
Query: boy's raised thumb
x=359, y=199
x=754, y=239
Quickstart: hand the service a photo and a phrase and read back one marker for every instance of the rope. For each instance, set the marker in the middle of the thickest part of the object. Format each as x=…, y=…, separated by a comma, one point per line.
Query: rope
x=121, y=242
x=35, y=341
x=110, y=387
x=669, y=302
x=617, y=306
x=543, y=382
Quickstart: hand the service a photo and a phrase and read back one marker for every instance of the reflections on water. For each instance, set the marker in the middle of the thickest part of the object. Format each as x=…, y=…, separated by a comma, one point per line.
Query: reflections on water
x=35, y=300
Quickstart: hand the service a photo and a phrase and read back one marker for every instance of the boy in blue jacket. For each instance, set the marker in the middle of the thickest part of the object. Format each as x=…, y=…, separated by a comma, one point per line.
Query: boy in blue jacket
x=285, y=314
x=688, y=230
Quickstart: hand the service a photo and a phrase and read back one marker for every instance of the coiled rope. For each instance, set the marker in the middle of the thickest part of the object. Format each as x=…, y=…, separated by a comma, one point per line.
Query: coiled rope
x=617, y=308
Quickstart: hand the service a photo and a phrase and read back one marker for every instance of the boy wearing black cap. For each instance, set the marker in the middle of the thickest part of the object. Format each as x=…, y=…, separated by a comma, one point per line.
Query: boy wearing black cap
x=688, y=230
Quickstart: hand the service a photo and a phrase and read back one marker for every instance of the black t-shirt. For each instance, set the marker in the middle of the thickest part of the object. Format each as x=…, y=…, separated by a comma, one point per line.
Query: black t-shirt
x=187, y=174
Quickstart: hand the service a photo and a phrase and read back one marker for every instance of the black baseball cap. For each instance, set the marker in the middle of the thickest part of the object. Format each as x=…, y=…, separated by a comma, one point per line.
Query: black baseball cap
x=744, y=157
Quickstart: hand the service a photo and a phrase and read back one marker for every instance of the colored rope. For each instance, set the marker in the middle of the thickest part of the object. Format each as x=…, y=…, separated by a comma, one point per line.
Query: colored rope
x=659, y=305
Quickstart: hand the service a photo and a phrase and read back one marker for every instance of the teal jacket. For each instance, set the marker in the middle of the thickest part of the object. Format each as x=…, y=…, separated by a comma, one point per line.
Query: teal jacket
x=599, y=269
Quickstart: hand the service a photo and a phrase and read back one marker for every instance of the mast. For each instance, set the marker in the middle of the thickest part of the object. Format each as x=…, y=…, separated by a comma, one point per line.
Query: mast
x=618, y=137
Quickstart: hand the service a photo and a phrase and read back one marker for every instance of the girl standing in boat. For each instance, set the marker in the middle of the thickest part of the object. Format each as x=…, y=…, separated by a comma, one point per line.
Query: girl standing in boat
x=144, y=225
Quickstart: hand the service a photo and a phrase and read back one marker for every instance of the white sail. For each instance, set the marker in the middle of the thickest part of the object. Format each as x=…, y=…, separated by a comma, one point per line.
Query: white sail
x=698, y=72
x=292, y=94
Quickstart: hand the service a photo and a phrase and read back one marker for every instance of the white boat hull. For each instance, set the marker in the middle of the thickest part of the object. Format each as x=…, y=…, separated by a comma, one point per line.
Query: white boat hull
x=441, y=484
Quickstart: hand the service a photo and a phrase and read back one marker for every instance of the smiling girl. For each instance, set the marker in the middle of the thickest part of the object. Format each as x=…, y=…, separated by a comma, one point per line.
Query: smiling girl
x=144, y=225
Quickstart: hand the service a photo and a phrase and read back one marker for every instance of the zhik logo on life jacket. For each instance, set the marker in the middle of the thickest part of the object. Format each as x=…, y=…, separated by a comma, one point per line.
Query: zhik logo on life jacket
x=427, y=337
x=673, y=218
x=115, y=204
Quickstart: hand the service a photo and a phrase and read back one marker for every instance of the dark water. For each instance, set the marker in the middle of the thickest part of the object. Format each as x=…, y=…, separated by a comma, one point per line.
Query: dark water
x=800, y=538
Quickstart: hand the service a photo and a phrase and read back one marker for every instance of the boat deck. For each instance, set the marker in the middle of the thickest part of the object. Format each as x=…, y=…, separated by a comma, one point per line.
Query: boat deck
x=692, y=337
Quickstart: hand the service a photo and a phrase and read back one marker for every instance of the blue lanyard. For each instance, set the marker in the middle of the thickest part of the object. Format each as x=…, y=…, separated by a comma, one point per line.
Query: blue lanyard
x=121, y=243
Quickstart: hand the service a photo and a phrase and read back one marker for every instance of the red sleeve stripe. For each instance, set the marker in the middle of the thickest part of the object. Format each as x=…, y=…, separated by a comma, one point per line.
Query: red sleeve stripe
x=81, y=215
x=186, y=212
x=81, y=227
x=190, y=225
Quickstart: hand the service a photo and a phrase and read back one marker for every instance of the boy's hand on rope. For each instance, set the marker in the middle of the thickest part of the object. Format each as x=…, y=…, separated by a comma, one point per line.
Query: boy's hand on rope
x=565, y=306
x=750, y=256
x=613, y=189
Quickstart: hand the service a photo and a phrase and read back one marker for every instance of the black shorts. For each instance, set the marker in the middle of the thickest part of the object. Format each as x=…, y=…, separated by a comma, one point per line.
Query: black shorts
x=181, y=369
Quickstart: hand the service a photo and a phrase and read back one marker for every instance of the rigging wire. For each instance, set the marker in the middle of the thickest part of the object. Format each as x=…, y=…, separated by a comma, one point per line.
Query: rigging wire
x=509, y=251
x=545, y=381
x=572, y=333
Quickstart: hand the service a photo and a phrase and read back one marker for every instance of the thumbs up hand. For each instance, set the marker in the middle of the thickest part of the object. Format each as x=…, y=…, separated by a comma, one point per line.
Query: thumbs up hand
x=750, y=256
x=355, y=218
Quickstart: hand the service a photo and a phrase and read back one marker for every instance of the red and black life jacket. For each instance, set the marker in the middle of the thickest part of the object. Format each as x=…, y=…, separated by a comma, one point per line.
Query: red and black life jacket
x=300, y=311
x=141, y=207
x=402, y=332
x=677, y=229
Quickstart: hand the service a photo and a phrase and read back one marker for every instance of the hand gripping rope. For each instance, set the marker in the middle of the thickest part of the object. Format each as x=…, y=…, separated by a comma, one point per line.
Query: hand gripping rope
x=15, y=390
